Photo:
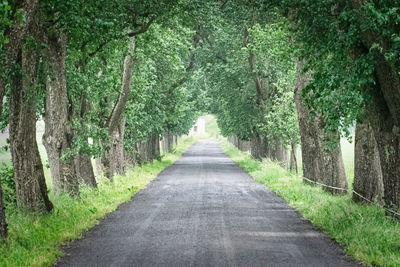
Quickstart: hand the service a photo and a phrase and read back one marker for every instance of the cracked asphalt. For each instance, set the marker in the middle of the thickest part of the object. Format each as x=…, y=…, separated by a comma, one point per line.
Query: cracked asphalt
x=204, y=210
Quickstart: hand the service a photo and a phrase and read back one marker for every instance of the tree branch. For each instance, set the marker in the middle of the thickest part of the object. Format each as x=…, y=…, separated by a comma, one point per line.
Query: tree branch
x=143, y=29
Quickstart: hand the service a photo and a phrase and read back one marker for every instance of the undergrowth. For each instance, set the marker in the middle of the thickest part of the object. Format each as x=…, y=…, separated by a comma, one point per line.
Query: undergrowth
x=364, y=231
x=34, y=240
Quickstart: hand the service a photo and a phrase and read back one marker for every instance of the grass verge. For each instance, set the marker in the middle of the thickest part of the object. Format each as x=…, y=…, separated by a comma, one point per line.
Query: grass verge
x=363, y=231
x=34, y=239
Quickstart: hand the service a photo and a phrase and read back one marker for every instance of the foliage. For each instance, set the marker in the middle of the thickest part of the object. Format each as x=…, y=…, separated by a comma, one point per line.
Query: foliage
x=331, y=37
x=228, y=75
x=8, y=184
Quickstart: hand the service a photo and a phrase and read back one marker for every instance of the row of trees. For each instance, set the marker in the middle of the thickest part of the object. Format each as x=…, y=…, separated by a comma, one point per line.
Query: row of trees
x=285, y=72
x=107, y=77
x=124, y=73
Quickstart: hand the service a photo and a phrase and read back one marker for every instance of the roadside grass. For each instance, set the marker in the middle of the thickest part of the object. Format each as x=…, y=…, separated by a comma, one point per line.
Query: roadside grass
x=363, y=231
x=34, y=240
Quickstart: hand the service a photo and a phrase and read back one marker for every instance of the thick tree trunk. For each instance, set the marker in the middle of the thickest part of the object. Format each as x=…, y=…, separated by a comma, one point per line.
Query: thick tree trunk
x=384, y=110
x=117, y=161
x=167, y=142
x=84, y=170
x=156, y=146
x=333, y=173
x=309, y=144
x=385, y=120
x=388, y=142
x=16, y=37
x=113, y=160
x=83, y=163
x=29, y=177
x=131, y=158
x=368, y=179
x=259, y=147
x=142, y=150
x=293, y=157
x=319, y=165
x=3, y=222
x=279, y=153
x=57, y=138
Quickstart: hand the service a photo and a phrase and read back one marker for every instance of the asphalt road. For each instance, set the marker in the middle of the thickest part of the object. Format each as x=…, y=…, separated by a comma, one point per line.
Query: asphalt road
x=204, y=211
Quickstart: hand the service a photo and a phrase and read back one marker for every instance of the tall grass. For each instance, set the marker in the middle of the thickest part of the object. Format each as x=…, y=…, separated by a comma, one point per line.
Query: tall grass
x=363, y=231
x=34, y=239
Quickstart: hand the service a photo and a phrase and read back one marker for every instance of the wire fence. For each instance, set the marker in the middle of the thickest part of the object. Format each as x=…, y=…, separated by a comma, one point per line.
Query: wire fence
x=358, y=194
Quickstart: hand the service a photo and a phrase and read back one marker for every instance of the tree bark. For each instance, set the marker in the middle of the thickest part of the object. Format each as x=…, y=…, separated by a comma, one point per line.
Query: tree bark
x=29, y=177
x=84, y=170
x=259, y=147
x=83, y=163
x=168, y=142
x=333, y=173
x=388, y=144
x=293, y=157
x=113, y=160
x=309, y=145
x=114, y=119
x=57, y=138
x=319, y=165
x=368, y=179
x=16, y=36
x=156, y=146
x=278, y=152
x=384, y=109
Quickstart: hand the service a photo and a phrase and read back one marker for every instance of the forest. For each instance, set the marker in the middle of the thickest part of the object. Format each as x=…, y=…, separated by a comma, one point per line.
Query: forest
x=116, y=83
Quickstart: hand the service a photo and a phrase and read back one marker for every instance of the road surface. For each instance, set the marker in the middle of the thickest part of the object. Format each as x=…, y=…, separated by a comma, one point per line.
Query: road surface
x=204, y=210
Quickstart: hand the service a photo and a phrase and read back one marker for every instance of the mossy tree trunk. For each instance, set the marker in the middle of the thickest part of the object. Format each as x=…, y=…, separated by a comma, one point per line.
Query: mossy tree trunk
x=368, y=180
x=30, y=184
x=319, y=164
x=58, y=136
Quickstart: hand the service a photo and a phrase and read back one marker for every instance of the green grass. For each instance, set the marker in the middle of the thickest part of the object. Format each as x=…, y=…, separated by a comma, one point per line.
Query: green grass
x=363, y=231
x=34, y=239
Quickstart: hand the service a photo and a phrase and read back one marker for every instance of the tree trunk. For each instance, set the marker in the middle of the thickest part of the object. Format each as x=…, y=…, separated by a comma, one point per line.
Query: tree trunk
x=388, y=142
x=57, y=138
x=259, y=147
x=16, y=38
x=84, y=170
x=156, y=146
x=333, y=173
x=309, y=144
x=278, y=153
x=319, y=165
x=29, y=177
x=168, y=142
x=113, y=160
x=131, y=158
x=293, y=157
x=3, y=222
x=143, y=152
x=367, y=168
x=384, y=110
